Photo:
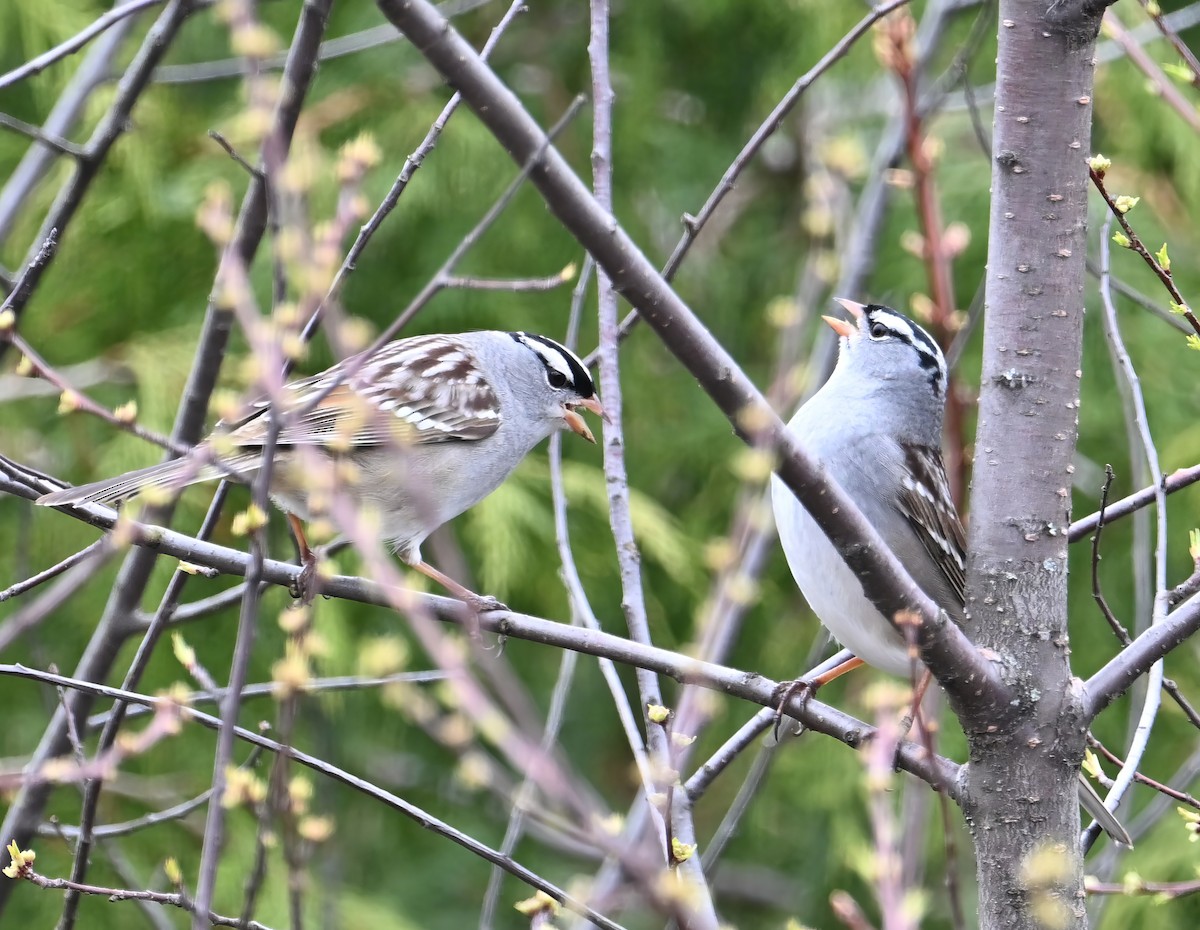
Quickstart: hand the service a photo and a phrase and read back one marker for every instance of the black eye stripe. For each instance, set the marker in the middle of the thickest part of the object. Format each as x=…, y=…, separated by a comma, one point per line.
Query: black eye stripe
x=580, y=379
x=929, y=356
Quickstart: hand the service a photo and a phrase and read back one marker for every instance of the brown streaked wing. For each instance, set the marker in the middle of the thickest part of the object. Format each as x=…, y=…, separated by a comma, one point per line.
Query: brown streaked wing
x=421, y=390
x=925, y=500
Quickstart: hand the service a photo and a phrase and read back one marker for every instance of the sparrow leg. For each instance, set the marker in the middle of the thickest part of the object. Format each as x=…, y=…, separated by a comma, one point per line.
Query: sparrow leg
x=479, y=603
x=803, y=686
x=306, y=585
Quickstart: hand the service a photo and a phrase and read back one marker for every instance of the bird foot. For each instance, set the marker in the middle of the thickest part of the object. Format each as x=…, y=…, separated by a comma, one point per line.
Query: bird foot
x=306, y=585
x=783, y=695
x=482, y=603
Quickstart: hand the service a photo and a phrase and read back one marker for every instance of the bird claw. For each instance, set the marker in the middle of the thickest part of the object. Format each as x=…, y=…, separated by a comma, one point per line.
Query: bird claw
x=483, y=603
x=306, y=585
x=783, y=694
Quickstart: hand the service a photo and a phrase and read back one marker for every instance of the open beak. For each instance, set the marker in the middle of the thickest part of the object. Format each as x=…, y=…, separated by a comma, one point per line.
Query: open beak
x=575, y=421
x=841, y=327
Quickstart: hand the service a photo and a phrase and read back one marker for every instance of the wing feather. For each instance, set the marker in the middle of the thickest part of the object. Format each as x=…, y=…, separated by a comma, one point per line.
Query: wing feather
x=926, y=501
x=425, y=389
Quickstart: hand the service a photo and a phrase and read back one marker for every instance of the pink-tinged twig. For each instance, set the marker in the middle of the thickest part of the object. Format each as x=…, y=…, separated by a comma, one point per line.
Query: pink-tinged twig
x=1181, y=47
x=1174, y=793
x=104, y=764
x=901, y=58
x=1163, y=85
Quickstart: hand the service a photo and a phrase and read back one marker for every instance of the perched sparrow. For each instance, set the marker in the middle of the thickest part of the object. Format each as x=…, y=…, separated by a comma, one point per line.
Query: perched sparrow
x=876, y=425
x=419, y=431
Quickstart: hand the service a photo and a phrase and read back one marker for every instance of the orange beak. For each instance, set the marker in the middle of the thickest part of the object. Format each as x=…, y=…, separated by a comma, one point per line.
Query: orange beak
x=841, y=327
x=576, y=422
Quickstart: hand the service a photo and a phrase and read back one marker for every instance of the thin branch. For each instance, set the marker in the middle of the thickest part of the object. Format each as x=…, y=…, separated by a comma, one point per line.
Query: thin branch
x=338, y=47
x=268, y=688
x=48, y=139
x=108, y=830
x=1181, y=48
x=93, y=72
x=1163, y=890
x=76, y=42
x=411, y=165
x=1173, y=793
x=1136, y=245
x=1163, y=86
x=513, y=285
x=165, y=898
x=1176, y=481
x=20, y=587
x=77, y=576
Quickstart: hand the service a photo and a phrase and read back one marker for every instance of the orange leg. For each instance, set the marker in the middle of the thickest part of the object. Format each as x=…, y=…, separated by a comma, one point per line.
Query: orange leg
x=305, y=588
x=808, y=688
x=477, y=602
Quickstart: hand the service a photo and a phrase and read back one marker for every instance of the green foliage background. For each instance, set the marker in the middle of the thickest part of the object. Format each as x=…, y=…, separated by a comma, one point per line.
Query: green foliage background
x=693, y=80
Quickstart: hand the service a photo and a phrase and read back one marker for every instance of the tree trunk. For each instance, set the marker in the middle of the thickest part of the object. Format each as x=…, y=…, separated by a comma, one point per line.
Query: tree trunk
x=1019, y=794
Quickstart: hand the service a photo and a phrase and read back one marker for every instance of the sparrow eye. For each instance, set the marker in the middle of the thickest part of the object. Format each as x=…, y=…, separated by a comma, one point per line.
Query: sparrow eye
x=878, y=330
x=556, y=378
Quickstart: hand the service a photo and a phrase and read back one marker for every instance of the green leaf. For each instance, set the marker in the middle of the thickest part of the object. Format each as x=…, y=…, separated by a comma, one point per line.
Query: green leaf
x=1163, y=258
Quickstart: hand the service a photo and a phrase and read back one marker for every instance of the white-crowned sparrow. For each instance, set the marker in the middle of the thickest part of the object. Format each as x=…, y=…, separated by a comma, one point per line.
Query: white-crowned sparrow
x=876, y=426
x=418, y=431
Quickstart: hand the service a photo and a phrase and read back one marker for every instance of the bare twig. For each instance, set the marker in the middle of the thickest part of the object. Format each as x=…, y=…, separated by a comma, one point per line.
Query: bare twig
x=1176, y=481
x=67, y=587
x=1173, y=793
x=76, y=42
x=1171, y=35
x=1162, y=84
x=48, y=139
x=28, y=584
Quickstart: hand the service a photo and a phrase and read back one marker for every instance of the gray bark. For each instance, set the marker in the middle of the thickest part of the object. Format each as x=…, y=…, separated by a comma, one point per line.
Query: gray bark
x=1019, y=794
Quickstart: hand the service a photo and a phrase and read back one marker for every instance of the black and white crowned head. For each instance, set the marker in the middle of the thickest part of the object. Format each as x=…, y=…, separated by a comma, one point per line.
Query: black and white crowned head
x=566, y=382
x=882, y=350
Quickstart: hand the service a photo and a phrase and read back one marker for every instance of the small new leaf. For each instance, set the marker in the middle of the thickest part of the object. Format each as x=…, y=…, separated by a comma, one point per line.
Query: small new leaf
x=21, y=861
x=1193, y=342
x=1181, y=73
x=1099, y=164
x=1194, y=545
x=1121, y=239
x=680, y=851
x=657, y=713
x=1125, y=203
x=1163, y=258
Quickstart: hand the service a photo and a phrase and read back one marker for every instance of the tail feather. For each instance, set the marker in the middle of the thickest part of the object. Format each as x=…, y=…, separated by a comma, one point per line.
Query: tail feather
x=171, y=476
x=1091, y=802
